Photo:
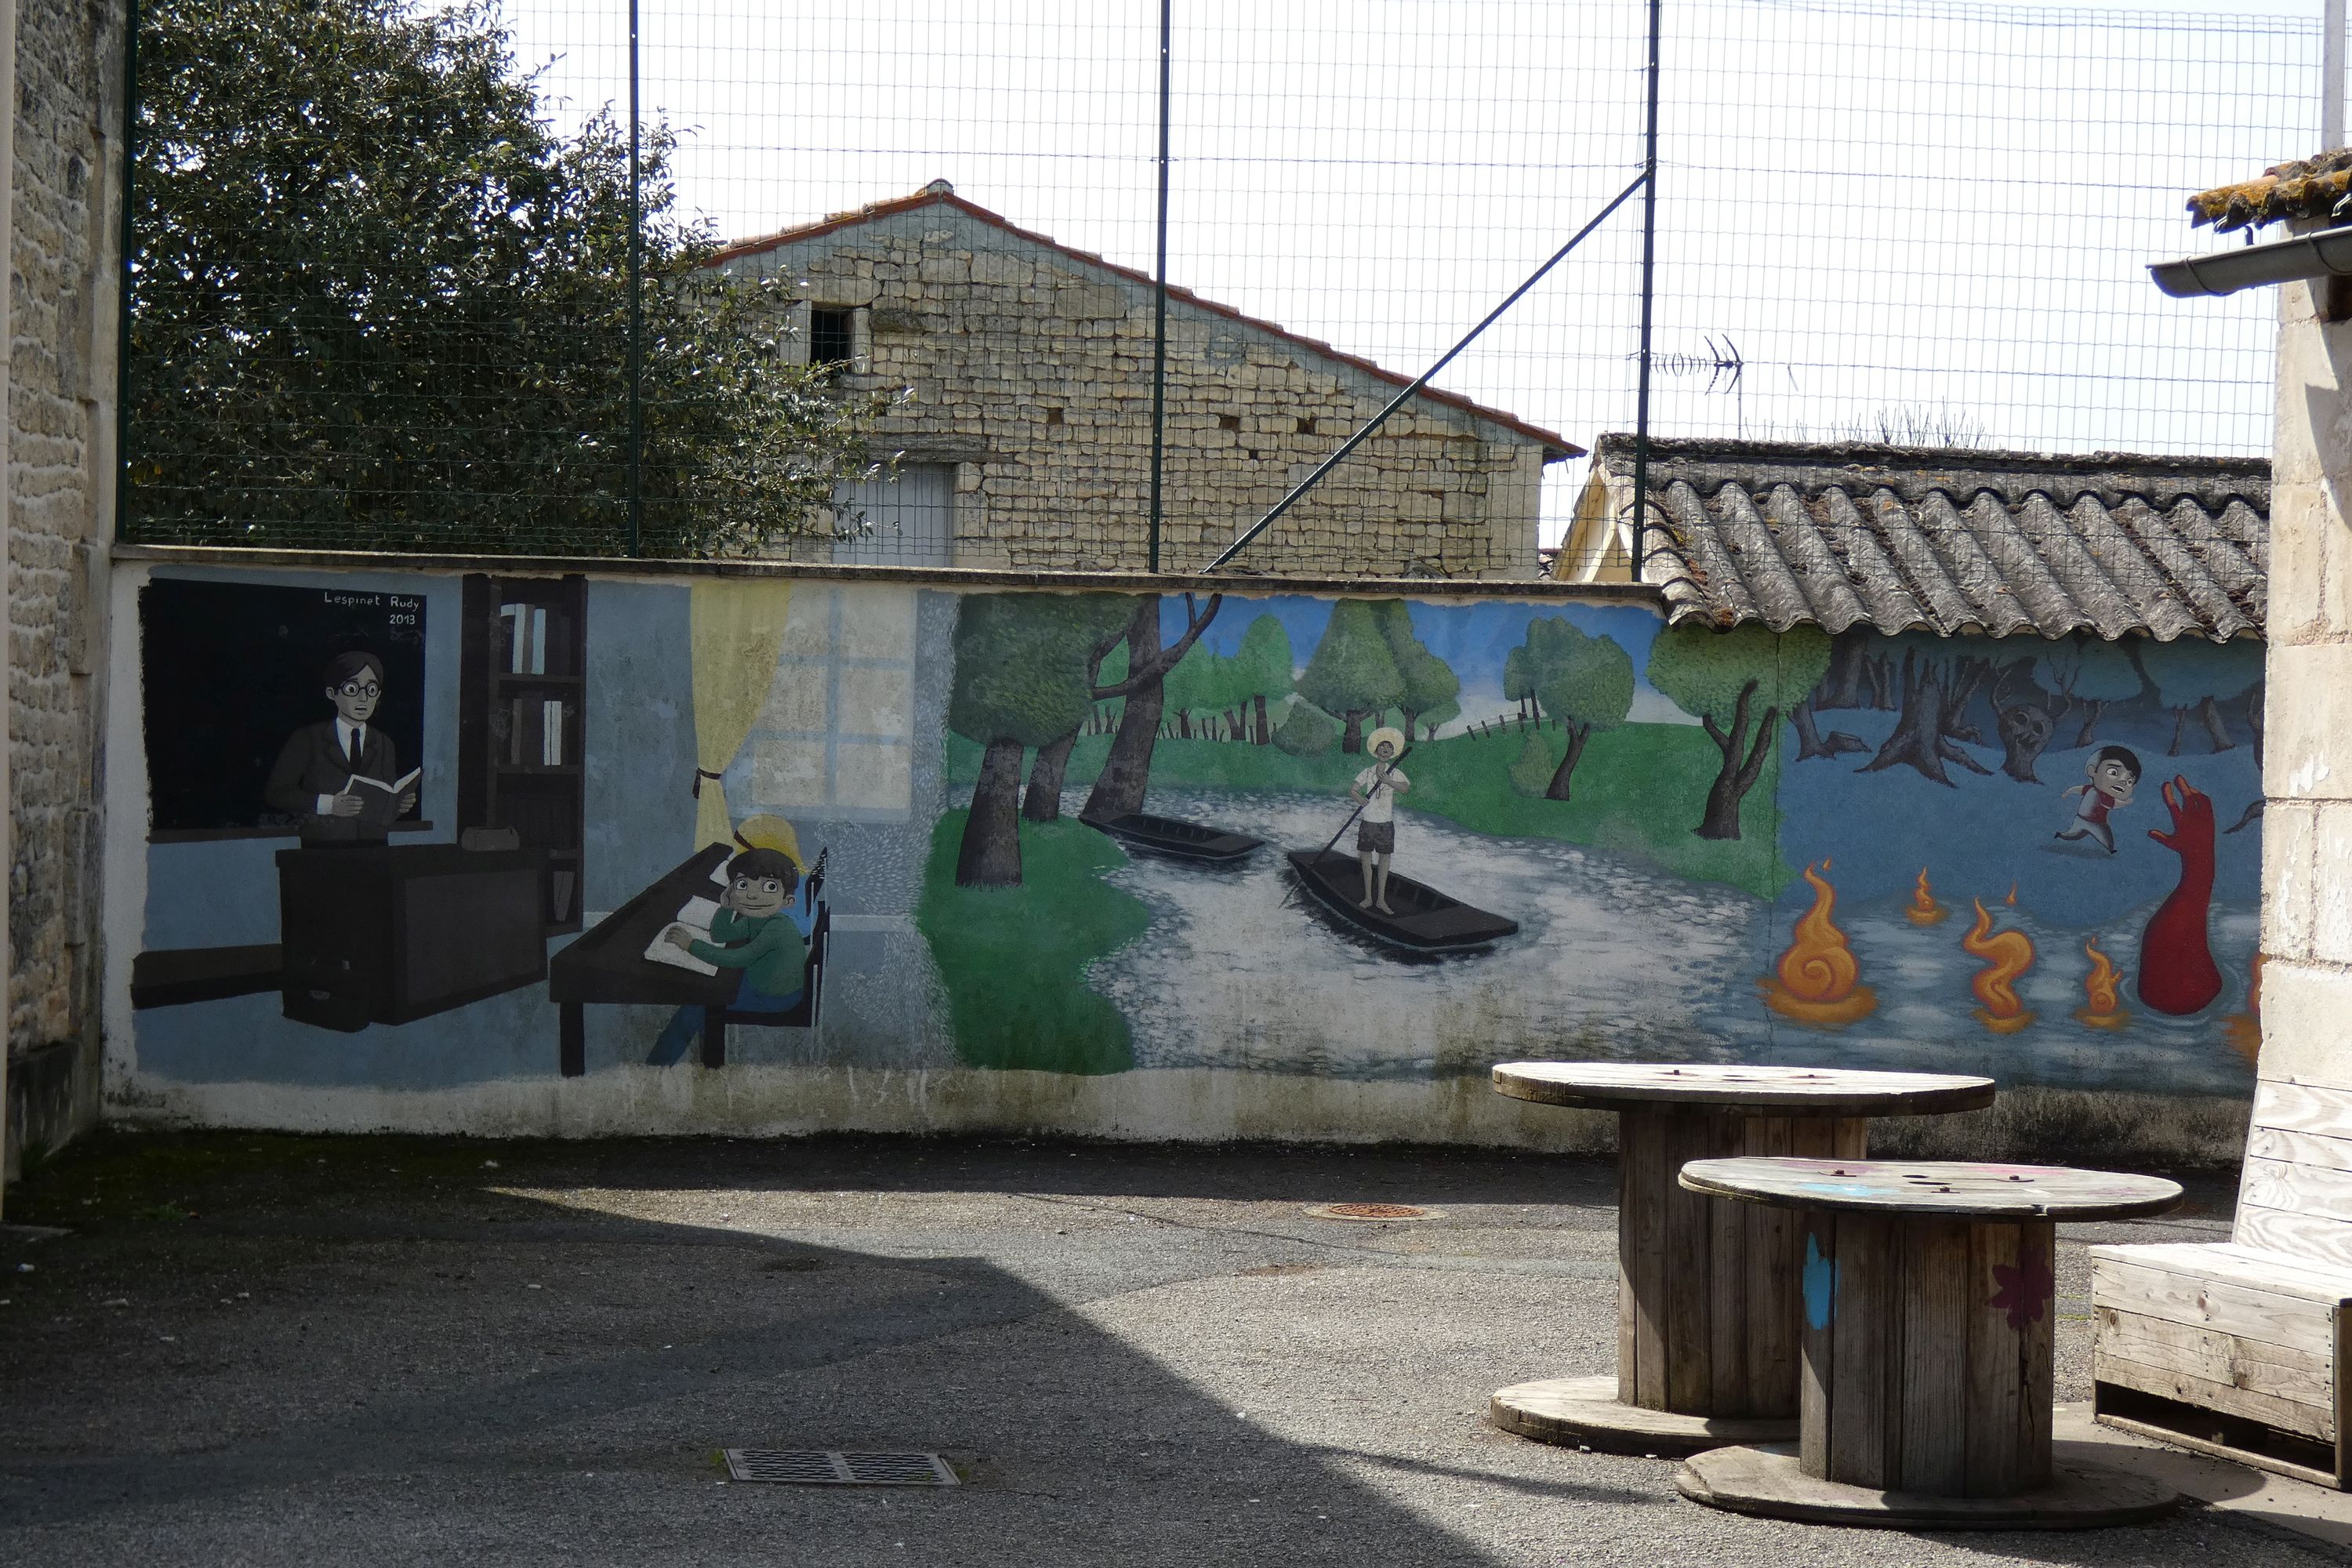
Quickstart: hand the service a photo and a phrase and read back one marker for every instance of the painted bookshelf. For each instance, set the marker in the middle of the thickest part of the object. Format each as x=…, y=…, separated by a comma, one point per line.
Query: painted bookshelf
x=524, y=683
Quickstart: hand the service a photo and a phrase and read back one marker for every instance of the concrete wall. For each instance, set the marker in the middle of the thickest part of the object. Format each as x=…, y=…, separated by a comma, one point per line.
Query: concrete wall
x=2307, y=767
x=997, y=963
x=66, y=221
x=1031, y=368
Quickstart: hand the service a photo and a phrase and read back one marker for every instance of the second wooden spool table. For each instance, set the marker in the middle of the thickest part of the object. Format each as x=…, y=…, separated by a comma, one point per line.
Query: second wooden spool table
x=1929, y=1294
x=1707, y=1292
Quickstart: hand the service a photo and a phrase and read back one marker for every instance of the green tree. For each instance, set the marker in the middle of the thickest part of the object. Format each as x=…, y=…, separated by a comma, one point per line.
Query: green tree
x=2192, y=673
x=1426, y=681
x=1721, y=678
x=1516, y=689
x=2086, y=669
x=1306, y=731
x=1264, y=670
x=1126, y=777
x=377, y=300
x=1352, y=673
x=1582, y=683
x=1024, y=677
x=1531, y=773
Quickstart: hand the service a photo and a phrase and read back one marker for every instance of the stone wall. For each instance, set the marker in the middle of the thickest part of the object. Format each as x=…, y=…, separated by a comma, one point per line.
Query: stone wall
x=65, y=217
x=2308, y=763
x=1031, y=368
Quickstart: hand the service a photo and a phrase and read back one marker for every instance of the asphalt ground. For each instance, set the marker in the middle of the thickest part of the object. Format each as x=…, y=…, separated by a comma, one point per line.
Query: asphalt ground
x=263, y=1349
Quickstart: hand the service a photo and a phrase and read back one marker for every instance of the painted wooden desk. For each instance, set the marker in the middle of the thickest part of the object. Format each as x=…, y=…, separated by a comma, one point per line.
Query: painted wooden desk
x=1928, y=1290
x=1707, y=1292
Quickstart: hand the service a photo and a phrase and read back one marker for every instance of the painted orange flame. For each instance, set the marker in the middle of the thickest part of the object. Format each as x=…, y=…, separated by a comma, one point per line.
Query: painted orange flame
x=2011, y=900
x=2006, y=955
x=2103, y=992
x=2244, y=1030
x=1923, y=909
x=1815, y=980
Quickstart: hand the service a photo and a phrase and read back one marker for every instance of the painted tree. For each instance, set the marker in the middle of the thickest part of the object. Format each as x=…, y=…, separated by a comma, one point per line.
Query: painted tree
x=1938, y=681
x=2089, y=672
x=1265, y=671
x=2191, y=674
x=1023, y=677
x=1305, y=730
x=1516, y=689
x=1581, y=683
x=1723, y=679
x=1427, y=681
x=2025, y=724
x=1444, y=713
x=1352, y=673
x=1106, y=664
x=1126, y=777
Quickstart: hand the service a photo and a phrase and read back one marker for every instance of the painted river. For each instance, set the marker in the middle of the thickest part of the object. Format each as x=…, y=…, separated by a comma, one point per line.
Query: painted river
x=1614, y=958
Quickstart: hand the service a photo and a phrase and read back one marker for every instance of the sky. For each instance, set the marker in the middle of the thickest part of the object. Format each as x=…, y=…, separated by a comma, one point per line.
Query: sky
x=1873, y=217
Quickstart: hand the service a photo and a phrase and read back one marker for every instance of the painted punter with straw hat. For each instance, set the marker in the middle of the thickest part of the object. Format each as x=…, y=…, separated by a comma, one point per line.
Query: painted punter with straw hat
x=1376, y=788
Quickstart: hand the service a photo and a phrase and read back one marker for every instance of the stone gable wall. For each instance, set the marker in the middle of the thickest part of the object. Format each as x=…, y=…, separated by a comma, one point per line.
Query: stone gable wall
x=1041, y=367
x=61, y=409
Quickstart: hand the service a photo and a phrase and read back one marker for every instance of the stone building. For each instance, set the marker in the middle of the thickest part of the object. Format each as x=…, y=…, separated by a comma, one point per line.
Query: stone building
x=65, y=223
x=2307, y=765
x=1026, y=435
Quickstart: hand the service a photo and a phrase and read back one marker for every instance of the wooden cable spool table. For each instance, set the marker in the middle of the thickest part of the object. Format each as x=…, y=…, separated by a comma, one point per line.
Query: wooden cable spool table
x=1707, y=1292
x=1929, y=1290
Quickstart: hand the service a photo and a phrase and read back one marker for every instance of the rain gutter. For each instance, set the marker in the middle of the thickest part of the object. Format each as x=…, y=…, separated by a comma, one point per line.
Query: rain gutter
x=2325, y=254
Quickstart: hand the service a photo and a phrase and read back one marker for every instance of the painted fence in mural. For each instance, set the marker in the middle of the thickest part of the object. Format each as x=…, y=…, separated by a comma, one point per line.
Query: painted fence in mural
x=675, y=833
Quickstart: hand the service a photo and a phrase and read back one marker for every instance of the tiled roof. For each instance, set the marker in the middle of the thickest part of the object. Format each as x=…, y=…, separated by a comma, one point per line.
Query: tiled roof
x=938, y=193
x=1946, y=539
x=2308, y=188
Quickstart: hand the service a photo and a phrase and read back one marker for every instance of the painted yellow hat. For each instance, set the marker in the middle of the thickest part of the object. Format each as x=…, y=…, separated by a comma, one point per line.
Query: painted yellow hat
x=766, y=831
x=1389, y=732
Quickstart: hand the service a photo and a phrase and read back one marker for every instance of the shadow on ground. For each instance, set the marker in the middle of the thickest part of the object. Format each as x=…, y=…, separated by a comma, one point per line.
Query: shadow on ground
x=275, y=1350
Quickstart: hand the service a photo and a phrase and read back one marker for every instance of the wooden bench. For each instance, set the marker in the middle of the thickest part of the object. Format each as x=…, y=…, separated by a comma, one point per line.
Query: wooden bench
x=2238, y=1348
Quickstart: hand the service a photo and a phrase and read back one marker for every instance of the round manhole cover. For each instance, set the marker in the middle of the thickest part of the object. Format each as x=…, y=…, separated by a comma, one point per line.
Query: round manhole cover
x=1370, y=1211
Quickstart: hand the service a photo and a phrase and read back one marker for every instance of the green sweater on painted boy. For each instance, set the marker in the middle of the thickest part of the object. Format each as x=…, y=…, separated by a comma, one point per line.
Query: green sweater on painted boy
x=772, y=952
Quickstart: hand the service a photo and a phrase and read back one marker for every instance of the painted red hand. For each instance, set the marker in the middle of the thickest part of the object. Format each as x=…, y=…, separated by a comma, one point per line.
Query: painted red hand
x=2177, y=971
x=2192, y=821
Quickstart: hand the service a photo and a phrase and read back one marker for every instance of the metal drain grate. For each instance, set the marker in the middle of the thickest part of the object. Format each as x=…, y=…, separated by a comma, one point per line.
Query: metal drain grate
x=1370, y=1211
x=832, y=1467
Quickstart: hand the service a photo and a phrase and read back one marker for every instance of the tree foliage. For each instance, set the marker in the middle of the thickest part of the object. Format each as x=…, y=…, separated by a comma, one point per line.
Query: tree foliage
x=1352, y=673
x=1722, y=678
x=1583, y=683
x=1425, y=682
x=1305, y=730
x=377, y=300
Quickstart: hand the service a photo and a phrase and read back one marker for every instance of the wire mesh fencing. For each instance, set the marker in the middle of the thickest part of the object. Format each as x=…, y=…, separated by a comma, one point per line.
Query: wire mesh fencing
x=899, y=261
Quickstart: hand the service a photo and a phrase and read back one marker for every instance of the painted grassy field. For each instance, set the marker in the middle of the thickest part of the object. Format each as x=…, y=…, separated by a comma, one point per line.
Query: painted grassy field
x=1015, y=959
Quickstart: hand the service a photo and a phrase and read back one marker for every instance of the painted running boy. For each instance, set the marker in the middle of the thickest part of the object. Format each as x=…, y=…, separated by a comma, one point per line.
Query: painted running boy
x=1378, y=787
x=2114, y=773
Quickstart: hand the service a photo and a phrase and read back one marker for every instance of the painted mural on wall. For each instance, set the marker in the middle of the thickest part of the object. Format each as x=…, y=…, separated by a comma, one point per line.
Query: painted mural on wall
x=1387, y=839
x=882, y=827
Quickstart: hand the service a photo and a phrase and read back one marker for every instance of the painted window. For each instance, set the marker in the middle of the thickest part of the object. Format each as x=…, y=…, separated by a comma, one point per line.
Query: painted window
x=835, y=738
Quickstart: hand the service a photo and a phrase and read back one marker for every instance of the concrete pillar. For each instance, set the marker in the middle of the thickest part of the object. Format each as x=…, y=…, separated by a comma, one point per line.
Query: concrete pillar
x=2307, y=979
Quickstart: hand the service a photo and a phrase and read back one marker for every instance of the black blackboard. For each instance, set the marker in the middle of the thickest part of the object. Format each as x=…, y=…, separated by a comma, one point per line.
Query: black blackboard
x=232, y=669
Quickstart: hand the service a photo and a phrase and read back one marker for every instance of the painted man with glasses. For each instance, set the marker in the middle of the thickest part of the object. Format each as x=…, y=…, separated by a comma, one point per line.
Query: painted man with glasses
x=313, y=781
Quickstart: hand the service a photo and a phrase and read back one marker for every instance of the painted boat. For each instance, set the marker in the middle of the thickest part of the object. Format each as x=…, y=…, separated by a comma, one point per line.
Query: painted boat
x=1425, y=920
x=1177, y=840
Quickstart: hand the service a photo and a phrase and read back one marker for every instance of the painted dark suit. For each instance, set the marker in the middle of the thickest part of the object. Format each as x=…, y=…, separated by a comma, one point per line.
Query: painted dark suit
x=311, y=764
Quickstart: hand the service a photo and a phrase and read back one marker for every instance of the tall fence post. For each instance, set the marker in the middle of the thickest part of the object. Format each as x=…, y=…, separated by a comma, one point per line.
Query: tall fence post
x=1160, y=295
x=1649, y=300
x=637, y=307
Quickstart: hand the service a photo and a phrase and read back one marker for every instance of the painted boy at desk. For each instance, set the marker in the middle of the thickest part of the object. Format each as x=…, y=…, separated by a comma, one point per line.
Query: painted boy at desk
x=753, y=932
x=312, y=780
